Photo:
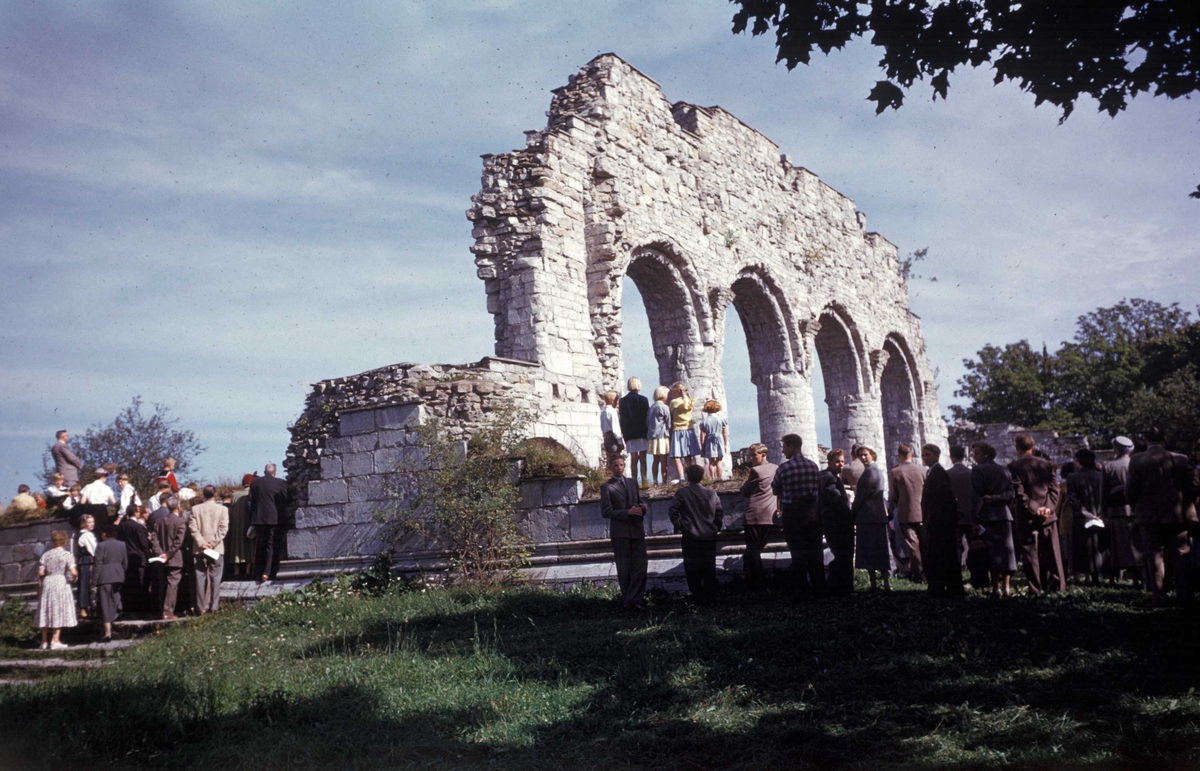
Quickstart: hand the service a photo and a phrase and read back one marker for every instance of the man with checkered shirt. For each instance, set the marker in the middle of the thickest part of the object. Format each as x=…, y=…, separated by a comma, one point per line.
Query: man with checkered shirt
x=798, y=484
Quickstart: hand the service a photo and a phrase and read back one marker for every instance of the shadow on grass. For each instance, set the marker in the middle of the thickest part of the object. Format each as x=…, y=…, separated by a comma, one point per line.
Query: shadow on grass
x=870, y=681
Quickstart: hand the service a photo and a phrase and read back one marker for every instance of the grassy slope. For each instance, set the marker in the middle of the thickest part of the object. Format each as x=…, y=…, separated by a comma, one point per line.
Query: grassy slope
x=529, y=678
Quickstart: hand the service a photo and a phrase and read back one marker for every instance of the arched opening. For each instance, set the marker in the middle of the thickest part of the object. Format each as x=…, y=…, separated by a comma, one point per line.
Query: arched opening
x=852, y=411
x=637, y=348
x=901, y=398
x=741, y=395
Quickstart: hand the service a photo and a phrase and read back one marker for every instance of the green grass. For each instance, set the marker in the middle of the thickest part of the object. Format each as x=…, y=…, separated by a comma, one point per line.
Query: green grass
x=525, y=678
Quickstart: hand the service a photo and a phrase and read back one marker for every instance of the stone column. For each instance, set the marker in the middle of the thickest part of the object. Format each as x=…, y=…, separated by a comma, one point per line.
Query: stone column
x=862, y=422
x=785, y=406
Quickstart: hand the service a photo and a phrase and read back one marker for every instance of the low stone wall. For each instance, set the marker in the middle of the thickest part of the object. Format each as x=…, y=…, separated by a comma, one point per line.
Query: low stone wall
x=22, y=545
x=1060, y=448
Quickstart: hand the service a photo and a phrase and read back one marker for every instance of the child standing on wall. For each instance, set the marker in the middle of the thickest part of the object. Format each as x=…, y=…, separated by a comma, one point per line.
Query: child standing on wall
x=714, y=438
x=658, y=433
x=610, y=427
x=685, y=445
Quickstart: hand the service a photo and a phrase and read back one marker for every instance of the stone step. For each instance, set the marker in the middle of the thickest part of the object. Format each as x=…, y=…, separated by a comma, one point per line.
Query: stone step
x=89, y=630
x=53, y=663
x=17, y=681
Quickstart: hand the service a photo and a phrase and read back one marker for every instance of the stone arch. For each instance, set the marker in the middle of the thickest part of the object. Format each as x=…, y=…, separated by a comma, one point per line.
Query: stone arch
x=901, y=396
x=674, y=308
x=777, y=366
x=853, y=407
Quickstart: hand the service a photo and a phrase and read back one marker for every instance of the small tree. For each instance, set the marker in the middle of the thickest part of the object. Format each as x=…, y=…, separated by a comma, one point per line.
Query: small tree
x=461, y=496
x=137, y=443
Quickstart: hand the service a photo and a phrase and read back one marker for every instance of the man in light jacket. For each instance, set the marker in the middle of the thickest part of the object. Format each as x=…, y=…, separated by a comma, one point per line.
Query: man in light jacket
x=209, y=525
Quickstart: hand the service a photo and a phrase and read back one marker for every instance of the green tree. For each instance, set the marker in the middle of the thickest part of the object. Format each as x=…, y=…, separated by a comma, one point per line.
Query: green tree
x=1057, y=50
x=1012, y=384
x=137, y=443
x=1173, y=405
x=461, y=497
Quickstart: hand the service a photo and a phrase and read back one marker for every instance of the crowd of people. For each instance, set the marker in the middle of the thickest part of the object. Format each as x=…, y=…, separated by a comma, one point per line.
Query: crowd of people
x=164, y=557
x=1132, y=517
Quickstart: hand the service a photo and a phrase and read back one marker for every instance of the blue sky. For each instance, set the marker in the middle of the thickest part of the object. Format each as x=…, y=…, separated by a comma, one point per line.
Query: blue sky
x=213, y=205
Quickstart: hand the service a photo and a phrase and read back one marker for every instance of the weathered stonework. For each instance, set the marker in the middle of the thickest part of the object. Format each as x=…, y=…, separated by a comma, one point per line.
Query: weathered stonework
x=702, y=213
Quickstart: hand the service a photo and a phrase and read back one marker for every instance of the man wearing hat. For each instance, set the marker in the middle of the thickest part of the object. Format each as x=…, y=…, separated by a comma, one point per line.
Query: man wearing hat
x=1124, y=546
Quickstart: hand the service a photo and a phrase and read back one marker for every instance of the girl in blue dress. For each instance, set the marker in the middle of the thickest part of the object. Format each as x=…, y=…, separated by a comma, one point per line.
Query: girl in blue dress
x=714, y=438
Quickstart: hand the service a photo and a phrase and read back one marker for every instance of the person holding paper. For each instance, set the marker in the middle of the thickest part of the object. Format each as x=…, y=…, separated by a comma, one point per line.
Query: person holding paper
x=209, y=525
x=166, y=542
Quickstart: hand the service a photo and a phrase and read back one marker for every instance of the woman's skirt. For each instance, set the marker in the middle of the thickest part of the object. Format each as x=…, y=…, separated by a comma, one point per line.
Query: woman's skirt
x=659, y=446
x=871, y=550
x=998, y=537
x=1125, y=551
x=685, y=443
x=56, y=606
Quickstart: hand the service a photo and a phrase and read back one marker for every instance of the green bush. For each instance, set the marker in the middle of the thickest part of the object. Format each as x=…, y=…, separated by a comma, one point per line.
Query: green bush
x=545, y=458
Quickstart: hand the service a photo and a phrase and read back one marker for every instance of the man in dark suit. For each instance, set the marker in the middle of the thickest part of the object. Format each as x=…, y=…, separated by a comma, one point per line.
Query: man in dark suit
x=696, y=513
x=960, y=482
x=621, y=504
x=906, y=481
x=1161, y=487
x=65, y=461
x=270, y=503
x=992, y=494
x=939, y=514
x=166, y=541
x=132, y=532
x=1034, y=505
x=762, y=511
x=108, y=573
x=838, y=523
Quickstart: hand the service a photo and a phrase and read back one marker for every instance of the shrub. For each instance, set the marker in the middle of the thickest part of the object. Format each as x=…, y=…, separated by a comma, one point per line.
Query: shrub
x=545, y=458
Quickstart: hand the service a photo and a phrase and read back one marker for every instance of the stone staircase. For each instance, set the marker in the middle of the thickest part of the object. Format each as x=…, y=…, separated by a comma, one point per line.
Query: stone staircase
x=84, y=650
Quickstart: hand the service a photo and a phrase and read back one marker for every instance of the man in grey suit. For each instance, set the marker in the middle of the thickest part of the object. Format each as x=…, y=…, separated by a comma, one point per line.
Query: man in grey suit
x=621, y=504
x=65, y=461
x=108, y=573
x=960, y=483
x=166, y=541
x=906, y=482
x=1161, y=488
x=270, y=504
x=209, y=524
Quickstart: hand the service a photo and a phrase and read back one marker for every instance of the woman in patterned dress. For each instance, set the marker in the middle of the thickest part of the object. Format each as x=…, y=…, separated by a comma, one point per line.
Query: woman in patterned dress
x=56, y=606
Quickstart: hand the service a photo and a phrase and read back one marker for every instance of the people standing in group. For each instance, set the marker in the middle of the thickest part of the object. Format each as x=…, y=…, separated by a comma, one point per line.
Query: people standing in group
x=65, y=461
x=685, y=444
x=610, y=425
x=1089, y=534
x=714, y=438
x=906, y=481
x=167, y=535
x=658, y=434
x=797, y=482
x=209, y=524
x=632, y=412
x=621, y=504
x=696, y=513
x=85, y=553
x=1161, y=487
x=270, y=512
x=960, y=482
x=112, y=562
x=872, y=551
x=837, y=521
x=1036, y=496
x=1125, y=556
x=992, y=491
x=239, y=549
x=940, y=529
x=56, y=605
x=762, y=514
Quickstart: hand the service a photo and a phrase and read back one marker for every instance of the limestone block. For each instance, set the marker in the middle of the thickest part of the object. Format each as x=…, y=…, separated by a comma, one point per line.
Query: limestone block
x=336, y=541
x=367, y=488
x=359, y=422
x=400, y=416
x=386, y=459
x=326, y=491
x=363, y=513
x=550, y=525
x=302, y=544
x=561, y=492
x=6, y=555
x=586, y=524
x=364, y=442
x=369, y=539
x=531, y=494
x=338, y=445
x=10, y=573
x=28, y=572
x=358, y=464
x=395, y=437
x=318, y=516
x=331, y=467
x=658, y=519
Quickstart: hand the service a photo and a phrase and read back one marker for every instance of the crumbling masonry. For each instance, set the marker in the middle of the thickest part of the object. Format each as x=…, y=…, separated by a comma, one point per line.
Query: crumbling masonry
x=703, y=214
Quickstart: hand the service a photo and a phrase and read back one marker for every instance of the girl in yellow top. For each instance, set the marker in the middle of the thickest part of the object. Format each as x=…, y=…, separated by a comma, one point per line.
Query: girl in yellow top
x=685, y=444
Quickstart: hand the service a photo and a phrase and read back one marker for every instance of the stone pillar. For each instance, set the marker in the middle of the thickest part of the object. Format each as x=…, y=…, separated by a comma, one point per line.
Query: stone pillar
x=862, y=422
x=785, y=406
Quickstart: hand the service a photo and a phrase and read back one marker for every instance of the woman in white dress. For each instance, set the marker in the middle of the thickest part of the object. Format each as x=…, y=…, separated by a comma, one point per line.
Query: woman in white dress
x=56, y=605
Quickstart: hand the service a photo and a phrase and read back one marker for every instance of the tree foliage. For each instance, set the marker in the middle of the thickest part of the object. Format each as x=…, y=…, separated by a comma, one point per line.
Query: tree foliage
x=461, y=497
x=1129, y=366
x=137, y=443
x=1057, y=50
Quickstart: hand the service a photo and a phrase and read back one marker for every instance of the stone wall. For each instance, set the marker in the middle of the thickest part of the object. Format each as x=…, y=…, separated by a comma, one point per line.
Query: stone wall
x=22, y=545
x=1060, y=448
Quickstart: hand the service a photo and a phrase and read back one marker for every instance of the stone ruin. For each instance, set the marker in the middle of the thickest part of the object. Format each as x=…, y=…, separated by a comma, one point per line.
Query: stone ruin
x=703, y=214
